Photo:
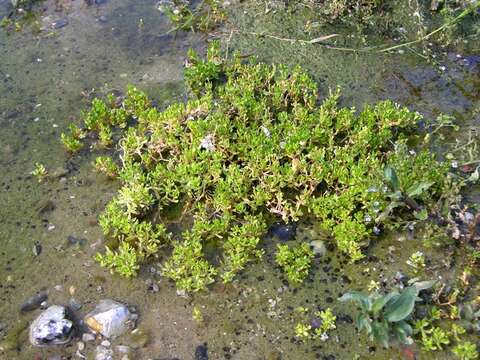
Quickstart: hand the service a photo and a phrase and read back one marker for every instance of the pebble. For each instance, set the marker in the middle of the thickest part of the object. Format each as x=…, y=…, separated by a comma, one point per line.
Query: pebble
x=34, y=302
x=51, y=327
x=105, y=343
x=318, y=247
x=102, y=19
x=152, y=287
x=74, y=304
x=123, y=349
x=45, y=206
x=50, y=227
x=60, y=23
x=284, y=232
x=87, y=337
x=37, y=248
x=80, y=346
x=72, y=241
x=201, y=352
x=103, y=353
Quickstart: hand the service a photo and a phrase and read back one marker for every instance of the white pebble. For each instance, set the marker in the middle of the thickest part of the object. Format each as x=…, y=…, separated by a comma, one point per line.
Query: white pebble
x=105, y=343
x=86, y=337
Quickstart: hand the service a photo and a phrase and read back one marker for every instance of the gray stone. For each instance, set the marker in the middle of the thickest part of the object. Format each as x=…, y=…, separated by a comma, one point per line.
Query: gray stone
x=318, y=247
x=105, y=343
x=102, y=353
x=60, y=23
x=110, y=318
x=51, y=328
x=74, y=304
x=86, y=337
x=123, y=349
x=34, y=302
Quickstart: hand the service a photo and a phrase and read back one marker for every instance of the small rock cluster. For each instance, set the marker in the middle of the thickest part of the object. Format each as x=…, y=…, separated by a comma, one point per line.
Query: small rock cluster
x=56, y=325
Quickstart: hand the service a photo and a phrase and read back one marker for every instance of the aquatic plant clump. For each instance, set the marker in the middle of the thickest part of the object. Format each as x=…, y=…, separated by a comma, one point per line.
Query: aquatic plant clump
x=250, y=146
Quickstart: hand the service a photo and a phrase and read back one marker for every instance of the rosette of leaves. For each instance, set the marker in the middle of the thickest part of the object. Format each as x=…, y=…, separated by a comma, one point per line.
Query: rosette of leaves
x=385, y=315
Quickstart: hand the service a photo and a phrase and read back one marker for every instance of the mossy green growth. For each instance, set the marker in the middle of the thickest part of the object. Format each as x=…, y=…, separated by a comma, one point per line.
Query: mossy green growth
x=295, y=261
x=347, y=11
x=252, y=145
x=189, y=15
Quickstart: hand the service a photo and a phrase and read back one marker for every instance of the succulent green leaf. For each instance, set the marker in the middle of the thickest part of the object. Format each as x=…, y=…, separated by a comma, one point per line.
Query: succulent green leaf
x=418, y=189
x=358, y=297
x=391, y=178
x=421, y=215
x=402, y=307
x=424, y=285
x=405, y=327
x=380, y=333
x=379, y=303
x=363, y=322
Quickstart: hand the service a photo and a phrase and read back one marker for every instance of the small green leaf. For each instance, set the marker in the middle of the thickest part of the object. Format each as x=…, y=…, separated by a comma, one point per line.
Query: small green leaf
x=358, y=297
x=418, y=188
x=391, y=177
x=424, y=285
x=405, y=327
x=382, y=301
x=402, y=306
x=421, y=215
x=363, y=322
x=473, y=178
x=380, y=333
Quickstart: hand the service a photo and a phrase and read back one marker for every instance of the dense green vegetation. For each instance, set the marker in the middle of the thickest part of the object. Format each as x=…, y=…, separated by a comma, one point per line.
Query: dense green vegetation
x=251, y=145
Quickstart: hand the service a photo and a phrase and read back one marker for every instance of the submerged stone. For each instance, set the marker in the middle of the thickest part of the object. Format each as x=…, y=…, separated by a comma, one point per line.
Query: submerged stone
x=201, y=352
x=110, y=318
x=34, y=302
x=45, y=206
x=103, y=353
x=284, y=231
x=51, y=328
x=60, y=23
x=318, y=247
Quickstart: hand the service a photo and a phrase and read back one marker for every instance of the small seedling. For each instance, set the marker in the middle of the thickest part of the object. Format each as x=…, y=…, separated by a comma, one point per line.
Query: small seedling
x=40, y=172
x=197, y=315
x=383, y=315
x=417, y=261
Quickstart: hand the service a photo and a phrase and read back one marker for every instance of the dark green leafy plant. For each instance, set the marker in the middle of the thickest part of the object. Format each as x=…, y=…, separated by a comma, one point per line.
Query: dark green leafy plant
x=250, y=146
x=384, y=315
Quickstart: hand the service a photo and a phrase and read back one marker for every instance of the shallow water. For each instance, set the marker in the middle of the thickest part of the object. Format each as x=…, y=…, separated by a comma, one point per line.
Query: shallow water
x=46, y=79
